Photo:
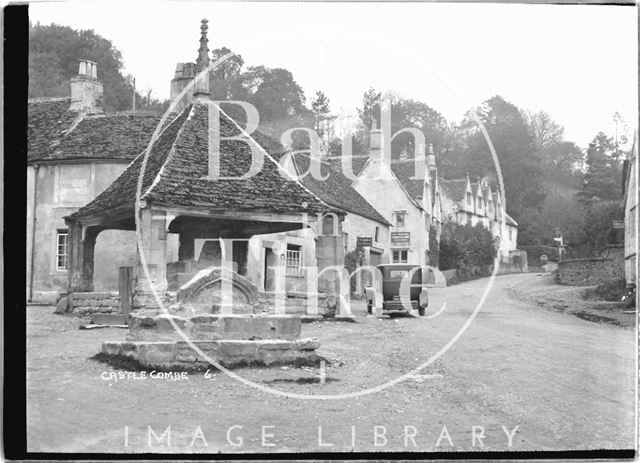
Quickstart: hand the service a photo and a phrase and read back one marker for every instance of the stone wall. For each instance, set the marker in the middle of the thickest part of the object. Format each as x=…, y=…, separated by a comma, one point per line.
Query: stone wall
x=95, y=302
x=61, y=190
x=592, y=271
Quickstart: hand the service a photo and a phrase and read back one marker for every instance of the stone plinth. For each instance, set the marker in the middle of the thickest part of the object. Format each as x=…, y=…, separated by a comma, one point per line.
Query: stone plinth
x=208, y=327
x=229, y=339
x=229, y=353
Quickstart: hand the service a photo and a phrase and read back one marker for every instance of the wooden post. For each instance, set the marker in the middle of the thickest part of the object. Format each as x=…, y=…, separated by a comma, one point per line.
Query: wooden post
x=125, y=281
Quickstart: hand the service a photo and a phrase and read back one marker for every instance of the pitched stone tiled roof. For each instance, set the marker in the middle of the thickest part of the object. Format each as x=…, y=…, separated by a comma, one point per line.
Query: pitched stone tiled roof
x=455, y=189
x=404, y=170
x=46, y=120
x=178, y=163
x=336, y=189
x=509, y=220
x=55, y=133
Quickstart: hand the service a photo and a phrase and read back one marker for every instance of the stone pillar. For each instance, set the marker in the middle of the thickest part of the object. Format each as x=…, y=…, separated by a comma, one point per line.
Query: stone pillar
x=81, y=254
x=153, y=237
x=330, y=253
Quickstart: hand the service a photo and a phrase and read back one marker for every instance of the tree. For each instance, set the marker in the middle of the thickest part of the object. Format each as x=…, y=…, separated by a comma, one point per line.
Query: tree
x=466, y=247
x=602, y=179
x=54, y=52
x=45, y=76
x=223, y=79
x=405, y=113
x=519, y=161
x=599, y=231
x=545, y=131
x=322, y=117
x=370, y=110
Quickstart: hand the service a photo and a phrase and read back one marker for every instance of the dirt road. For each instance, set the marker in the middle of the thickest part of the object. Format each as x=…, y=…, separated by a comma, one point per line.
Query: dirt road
x=519, y=375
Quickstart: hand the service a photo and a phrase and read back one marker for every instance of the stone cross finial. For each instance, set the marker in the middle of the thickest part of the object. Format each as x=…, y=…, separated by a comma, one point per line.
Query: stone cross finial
x=203, y=52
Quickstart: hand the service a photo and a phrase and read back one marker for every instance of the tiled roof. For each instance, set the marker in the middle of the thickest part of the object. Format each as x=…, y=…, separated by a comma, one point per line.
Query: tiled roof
x=336, y=189
x=454, y=189
x=56, y=133
x=509, y=220
x=46, y=120
x=404, y=170
x=178, y=163
x=122, y=192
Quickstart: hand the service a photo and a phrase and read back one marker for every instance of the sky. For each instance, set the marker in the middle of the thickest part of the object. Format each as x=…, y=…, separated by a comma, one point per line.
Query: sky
x=577, y=62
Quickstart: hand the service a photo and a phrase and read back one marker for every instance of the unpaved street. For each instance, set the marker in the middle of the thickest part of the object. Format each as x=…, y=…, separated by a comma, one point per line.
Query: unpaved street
x=564, y=382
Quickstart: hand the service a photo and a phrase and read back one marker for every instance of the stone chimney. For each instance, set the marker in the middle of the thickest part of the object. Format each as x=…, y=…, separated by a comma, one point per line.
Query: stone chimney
x=186, y=72
x=375, y=141
x=86, y=89
x=431, y=159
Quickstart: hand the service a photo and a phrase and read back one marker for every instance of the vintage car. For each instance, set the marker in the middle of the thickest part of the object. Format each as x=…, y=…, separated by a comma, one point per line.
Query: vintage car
x=400, y=294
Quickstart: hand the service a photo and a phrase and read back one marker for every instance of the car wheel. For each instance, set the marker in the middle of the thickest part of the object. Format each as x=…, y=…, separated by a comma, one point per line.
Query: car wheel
x=369, y=308
x=421, y=311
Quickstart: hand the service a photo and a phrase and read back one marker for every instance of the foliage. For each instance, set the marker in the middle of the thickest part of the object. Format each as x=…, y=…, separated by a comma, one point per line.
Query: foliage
x=54, y=52
x=370, y=110
x=322, y=118
x=599, y=231
x=274, y=93
x=519, y=162
x=603, y=176
x=465, y=246
x=611, y=290
x=545, y=131
x=406, y=113
x=225, y=76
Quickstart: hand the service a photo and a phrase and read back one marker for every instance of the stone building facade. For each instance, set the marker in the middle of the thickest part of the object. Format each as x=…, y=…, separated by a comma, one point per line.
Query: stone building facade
x=630, y=202
x=74, y=151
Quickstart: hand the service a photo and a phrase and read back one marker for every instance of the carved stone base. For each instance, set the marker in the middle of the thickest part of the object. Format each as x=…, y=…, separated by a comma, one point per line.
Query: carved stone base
x=228, y=353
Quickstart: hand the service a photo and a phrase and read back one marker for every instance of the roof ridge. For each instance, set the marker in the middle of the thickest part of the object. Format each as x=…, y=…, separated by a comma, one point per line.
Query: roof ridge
x=280, y=168
x=172, y=151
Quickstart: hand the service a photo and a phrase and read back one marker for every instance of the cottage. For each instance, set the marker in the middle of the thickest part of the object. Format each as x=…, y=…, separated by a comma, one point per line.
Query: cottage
x=74, y=151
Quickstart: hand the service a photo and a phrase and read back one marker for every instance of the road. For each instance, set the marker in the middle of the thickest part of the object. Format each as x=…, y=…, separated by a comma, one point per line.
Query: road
x=519, y=378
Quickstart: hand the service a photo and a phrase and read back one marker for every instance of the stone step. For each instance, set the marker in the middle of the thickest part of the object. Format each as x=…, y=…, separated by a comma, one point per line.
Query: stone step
x=109, y=319
x=229, y=353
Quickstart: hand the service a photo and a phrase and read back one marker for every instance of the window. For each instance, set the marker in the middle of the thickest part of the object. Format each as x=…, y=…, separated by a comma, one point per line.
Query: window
x=400, y=219
x=479, y=203
x=377, y=234
x=510, y=234
x=469, y=199
x=400, y=257
x=294, y=259
x=61, y=249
